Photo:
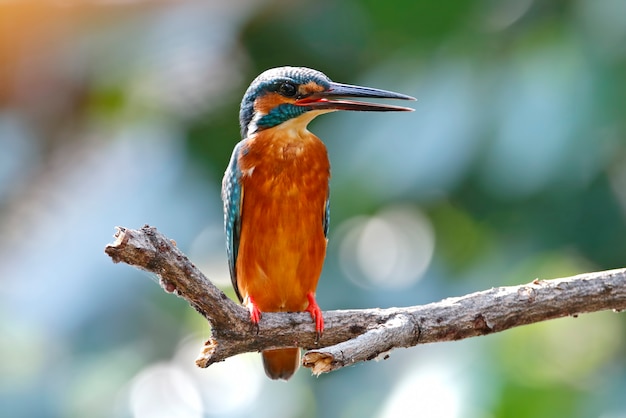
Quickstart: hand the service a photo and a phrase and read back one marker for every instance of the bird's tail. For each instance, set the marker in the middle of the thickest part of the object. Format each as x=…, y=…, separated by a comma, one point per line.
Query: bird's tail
x=281, y=363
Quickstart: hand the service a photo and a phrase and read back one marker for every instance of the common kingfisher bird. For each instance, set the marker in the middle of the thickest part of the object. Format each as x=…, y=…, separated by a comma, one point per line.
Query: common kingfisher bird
x=276, y=196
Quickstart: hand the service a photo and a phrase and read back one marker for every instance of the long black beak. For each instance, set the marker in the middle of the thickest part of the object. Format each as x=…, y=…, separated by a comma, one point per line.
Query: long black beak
x=331, y=99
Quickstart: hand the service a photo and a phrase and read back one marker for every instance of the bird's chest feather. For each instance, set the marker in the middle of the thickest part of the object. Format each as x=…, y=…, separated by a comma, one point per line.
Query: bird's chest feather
x=283, y=244
x=285, y=168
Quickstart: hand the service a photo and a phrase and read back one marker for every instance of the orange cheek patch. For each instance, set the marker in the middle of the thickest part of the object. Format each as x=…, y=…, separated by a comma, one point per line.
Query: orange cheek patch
x=267, y=102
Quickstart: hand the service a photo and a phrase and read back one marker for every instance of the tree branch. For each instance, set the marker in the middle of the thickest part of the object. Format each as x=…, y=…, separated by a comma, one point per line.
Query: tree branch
x=352, y=336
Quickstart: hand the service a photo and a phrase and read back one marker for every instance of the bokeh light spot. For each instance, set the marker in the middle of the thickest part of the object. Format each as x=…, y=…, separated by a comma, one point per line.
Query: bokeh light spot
x=427, y=392
x=392, y=249
x=164, y=390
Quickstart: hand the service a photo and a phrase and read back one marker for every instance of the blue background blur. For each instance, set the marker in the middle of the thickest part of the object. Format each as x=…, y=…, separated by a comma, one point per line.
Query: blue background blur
x=512, y=167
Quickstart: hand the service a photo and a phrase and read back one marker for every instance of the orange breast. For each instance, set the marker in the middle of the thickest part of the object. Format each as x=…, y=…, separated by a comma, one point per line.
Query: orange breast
x=282, y=244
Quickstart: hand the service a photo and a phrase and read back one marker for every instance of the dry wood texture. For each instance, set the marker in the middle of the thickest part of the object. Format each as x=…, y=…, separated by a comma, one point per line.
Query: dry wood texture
x=351, y=336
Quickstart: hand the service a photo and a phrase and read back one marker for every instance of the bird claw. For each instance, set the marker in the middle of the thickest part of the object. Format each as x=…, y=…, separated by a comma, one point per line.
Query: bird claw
x=316, y=315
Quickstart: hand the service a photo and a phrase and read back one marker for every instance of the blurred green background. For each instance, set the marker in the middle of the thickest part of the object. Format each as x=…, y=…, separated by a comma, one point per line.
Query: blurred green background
x=512, y=167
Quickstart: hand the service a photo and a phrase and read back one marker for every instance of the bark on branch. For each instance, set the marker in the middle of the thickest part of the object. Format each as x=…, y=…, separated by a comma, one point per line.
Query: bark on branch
x=352, y=336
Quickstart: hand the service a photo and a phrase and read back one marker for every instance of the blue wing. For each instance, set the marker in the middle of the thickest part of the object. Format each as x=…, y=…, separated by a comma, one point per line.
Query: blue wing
x=326, y=218
x=232, y=195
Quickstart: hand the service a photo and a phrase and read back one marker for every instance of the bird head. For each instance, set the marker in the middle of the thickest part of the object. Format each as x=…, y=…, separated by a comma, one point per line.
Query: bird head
x=284, y=94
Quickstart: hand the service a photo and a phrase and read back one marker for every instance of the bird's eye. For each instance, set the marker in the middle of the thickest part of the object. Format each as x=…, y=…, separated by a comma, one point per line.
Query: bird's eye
x=287, y=89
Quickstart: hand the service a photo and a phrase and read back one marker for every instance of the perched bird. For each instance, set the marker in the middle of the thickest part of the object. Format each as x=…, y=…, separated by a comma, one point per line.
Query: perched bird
x=276, y=196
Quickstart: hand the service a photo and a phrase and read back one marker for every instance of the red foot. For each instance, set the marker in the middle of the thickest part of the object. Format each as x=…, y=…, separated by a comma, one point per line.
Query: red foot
x=255, y=313
x=316, y=313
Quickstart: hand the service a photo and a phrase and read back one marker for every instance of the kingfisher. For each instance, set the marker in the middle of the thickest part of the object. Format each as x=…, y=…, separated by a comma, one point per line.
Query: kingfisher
x=276, y=196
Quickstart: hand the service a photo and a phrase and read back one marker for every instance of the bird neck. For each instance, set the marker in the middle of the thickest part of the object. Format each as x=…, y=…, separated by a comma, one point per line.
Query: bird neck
x=284, y=121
